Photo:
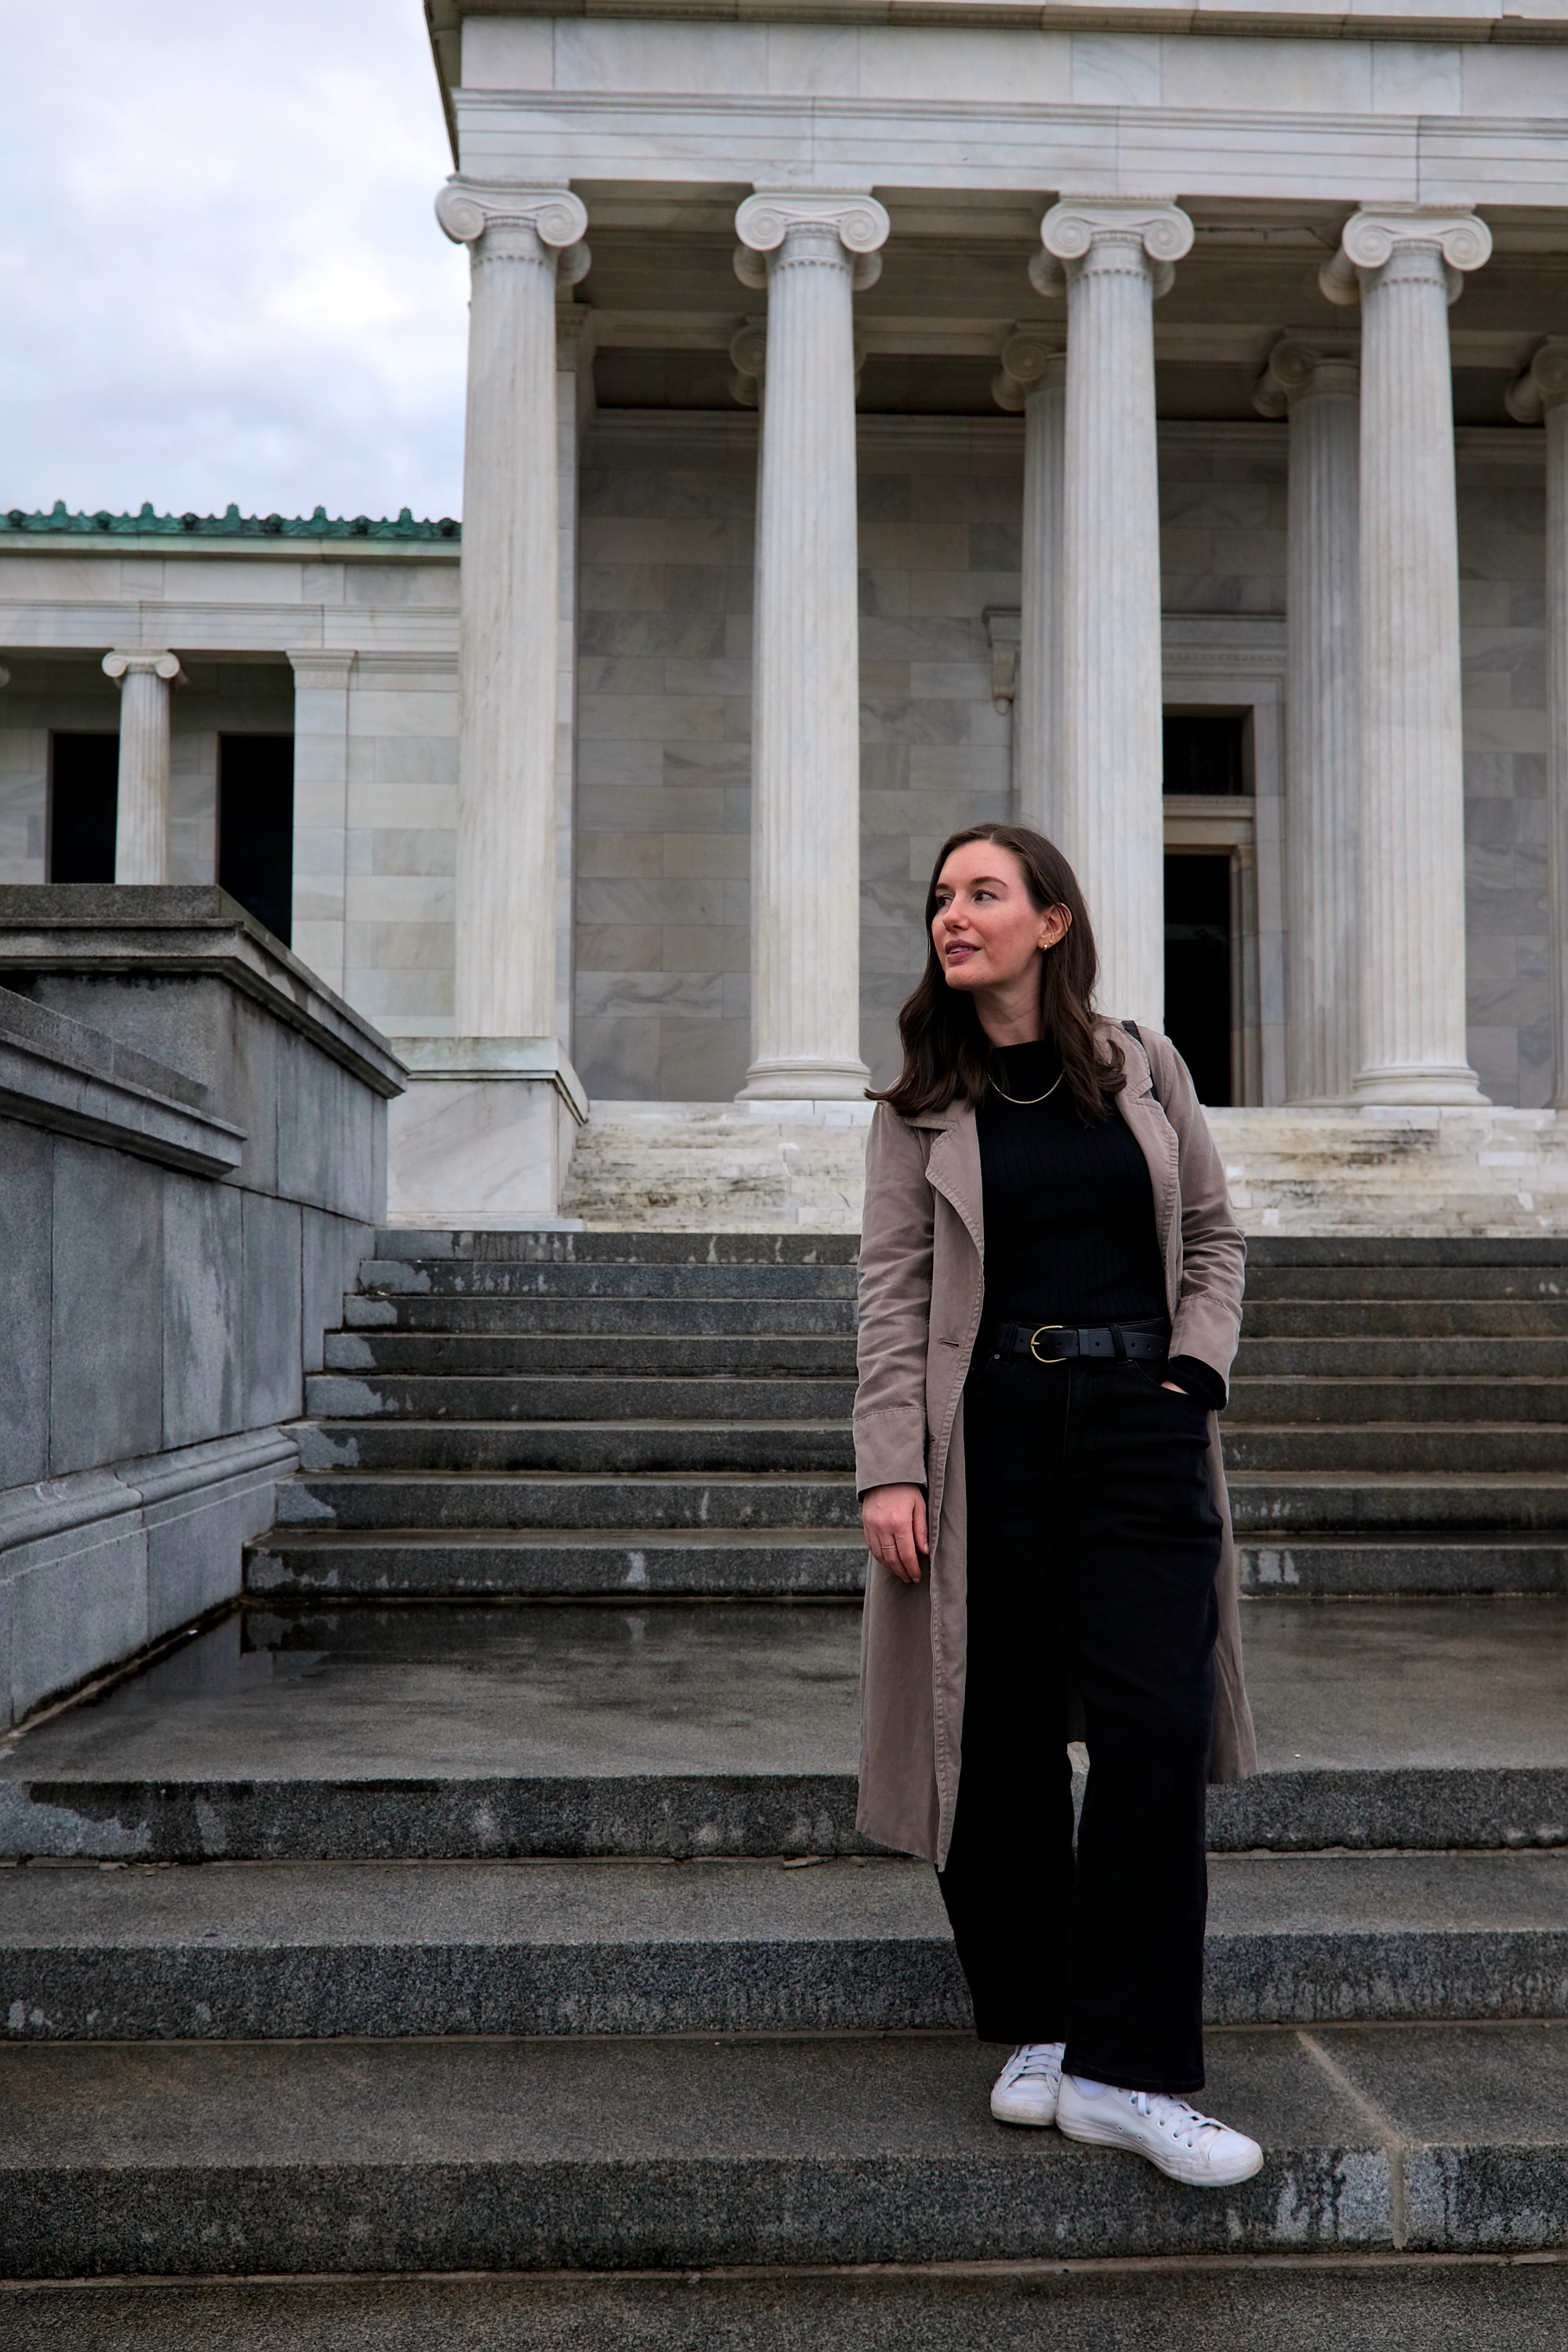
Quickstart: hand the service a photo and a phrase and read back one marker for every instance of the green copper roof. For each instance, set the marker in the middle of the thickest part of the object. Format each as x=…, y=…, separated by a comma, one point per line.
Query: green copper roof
x=229, y=525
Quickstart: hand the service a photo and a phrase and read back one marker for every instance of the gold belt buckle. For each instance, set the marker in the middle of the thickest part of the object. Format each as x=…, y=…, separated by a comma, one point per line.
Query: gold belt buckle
x=1035, y=1351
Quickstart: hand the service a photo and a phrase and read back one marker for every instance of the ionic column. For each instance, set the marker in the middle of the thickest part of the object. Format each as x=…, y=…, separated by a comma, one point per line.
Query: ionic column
x=1403, y=264
x=1119, y=257
x=141, y=808
x=508, y=681
x=1319, y=390
x=576, y=335
x=1033, y=377
x=811, y=252
x=1540, y=397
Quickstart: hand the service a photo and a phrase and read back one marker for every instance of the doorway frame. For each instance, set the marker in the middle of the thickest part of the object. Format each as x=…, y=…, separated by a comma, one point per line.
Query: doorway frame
x=1218, y=665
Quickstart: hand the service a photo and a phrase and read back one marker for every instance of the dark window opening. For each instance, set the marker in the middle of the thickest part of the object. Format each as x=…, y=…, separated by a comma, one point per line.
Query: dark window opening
x=1206, y=753
x=84, y=792
x=1197, y=971
x=255, y=827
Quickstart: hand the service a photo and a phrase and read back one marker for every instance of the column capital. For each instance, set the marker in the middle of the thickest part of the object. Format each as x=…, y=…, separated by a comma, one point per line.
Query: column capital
x=1299, y=368
x=1371, y=237
x=766, y=218
x=165, y=665
x=749, y=362
x=1029, y=361
x=470, y=210
x=1072, y=228
x=1543, y=384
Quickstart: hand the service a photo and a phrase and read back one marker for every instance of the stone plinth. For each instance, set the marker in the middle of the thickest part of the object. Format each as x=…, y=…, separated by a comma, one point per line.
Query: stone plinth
x=192, y=1142
x=711, y=1167
x=484, y=1134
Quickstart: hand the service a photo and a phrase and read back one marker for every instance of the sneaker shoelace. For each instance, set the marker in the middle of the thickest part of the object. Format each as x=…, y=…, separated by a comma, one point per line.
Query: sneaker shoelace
x=1039, y=2059
x=1174, y=2116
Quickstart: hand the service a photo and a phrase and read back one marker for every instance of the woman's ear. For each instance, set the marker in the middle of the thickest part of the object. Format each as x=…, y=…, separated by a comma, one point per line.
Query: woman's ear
x=1055, y=925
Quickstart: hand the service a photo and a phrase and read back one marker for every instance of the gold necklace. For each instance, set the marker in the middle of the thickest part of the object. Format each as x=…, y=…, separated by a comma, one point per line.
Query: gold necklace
x=1027, y=1102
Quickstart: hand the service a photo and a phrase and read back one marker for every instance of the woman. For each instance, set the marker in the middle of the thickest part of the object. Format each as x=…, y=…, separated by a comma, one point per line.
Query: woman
x=1050, y=1296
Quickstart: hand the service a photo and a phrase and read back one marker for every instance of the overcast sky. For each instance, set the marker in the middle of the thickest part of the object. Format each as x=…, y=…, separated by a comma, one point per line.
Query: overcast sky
x=220, y=275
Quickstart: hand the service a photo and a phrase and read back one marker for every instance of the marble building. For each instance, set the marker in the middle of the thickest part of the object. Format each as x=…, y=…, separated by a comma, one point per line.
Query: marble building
x=876, y=424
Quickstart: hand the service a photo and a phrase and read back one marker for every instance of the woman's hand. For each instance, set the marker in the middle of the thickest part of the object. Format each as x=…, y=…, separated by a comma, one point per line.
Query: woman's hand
x=894, y=1518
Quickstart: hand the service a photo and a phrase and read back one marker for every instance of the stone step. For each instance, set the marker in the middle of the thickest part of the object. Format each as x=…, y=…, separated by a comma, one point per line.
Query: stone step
x=506, y=1563
x=1491, y=1448
x=605, y=1317
x=1392, y=1319
x=633, y=1446
x=1324, y=1568
x=491, y=1278
x=1291, y=2302
x=184, y=2158
x=673, y=1353
x=1255, y=1401
x=276, y=1950
x=607, y=1247
x=497, y=1397
x=627, y=1447
x=768, y=1352
x=1455, y=1279
x=1272, y=1502
x=737, y=1499
x=1409, y=1359
x=1499, y=1502
x=364, y=1733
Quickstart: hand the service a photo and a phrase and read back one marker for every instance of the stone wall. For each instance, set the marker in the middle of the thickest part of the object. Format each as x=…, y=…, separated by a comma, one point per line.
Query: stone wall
x=192, y=1141
x=663, y=811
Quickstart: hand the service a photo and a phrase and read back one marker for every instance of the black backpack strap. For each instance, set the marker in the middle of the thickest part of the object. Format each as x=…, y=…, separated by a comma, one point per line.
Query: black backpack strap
x=1133, y=1031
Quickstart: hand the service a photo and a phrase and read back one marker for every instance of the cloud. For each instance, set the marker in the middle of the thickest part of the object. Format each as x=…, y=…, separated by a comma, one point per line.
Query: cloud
x=219, y=269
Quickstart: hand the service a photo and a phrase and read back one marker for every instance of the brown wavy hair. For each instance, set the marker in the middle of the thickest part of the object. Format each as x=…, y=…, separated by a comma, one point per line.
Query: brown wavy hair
x=947, y=1053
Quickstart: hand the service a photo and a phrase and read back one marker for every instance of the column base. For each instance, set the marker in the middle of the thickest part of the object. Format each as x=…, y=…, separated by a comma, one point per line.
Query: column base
x=805, y=1077
x=483, y=1136
x=1437, y=1084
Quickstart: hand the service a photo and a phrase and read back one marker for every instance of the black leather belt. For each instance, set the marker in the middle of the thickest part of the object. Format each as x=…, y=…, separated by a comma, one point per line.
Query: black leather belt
x=1053, y=1343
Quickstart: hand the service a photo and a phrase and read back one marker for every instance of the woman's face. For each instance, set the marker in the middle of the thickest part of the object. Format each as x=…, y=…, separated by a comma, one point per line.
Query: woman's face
x=987, y=930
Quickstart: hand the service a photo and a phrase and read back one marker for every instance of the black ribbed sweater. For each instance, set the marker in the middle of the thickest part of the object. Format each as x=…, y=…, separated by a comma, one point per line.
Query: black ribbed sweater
x=1069, y=1213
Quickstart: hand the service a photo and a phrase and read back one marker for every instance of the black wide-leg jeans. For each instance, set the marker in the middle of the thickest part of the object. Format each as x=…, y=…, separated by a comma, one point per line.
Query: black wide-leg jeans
x=1093, y=1543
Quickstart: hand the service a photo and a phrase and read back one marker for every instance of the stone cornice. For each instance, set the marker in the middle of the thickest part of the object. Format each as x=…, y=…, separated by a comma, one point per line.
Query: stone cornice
x=1486, y=21
x=101, y=524
x=1371, y=236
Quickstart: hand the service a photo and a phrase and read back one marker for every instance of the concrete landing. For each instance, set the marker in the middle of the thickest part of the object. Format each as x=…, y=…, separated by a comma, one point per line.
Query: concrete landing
x=730, y=1727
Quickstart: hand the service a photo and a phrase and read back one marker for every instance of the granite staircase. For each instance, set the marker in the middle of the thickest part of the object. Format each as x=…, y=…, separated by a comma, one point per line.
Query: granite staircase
x=468, y=1940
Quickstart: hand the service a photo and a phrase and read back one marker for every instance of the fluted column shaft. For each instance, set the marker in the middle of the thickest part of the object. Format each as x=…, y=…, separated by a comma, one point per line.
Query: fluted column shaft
x=1321, y=393
x=1111, y=821
x=1540, y=397
x=141, y=803
x=508, y=685
x=1411, y=905
x=1033, y=377
x=805, y=746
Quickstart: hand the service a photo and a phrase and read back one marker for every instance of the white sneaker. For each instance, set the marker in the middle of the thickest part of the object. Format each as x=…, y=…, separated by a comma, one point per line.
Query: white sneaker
x=1025, y=2091
x=1187, y=2146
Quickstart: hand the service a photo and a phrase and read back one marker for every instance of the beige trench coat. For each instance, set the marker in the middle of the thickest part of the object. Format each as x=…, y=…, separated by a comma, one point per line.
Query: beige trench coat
x=921, y=1287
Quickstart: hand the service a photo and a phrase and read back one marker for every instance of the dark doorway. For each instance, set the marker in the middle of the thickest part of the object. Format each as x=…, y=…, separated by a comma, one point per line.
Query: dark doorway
x=84, y=779
x=1206, y=753
x=1197, y=971
x=255, y=827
